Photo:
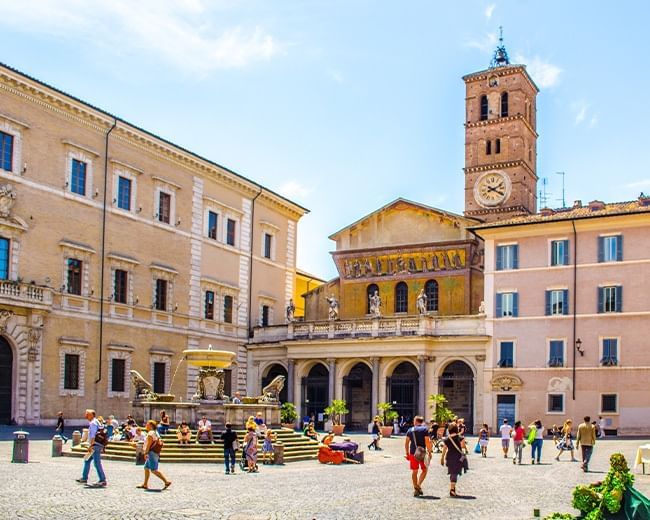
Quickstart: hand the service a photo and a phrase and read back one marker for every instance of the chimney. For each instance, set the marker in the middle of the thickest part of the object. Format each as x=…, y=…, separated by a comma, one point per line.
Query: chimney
x=596, y=205
x=644, y=200
x=546, y=212
x=577, y=204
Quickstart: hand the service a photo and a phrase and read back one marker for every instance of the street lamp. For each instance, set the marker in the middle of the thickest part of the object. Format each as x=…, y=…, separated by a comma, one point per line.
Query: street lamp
x=579, y=347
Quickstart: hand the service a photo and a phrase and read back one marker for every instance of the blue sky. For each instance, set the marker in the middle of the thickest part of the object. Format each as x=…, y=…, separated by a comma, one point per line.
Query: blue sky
x=345, y=105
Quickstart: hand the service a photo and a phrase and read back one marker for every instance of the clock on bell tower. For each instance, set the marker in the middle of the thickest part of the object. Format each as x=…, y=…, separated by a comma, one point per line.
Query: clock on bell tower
x=500, y=141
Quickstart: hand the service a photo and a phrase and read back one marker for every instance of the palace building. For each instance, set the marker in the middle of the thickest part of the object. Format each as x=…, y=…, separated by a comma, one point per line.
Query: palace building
x=508, y=312
x=118, y=250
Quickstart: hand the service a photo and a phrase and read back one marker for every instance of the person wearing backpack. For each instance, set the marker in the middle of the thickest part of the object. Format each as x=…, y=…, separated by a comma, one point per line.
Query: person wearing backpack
x=152, y=448
x=536, y=440
x=97, y=440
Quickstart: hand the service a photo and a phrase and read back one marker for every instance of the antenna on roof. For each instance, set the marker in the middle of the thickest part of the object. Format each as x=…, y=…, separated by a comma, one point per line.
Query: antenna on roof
x=543, y=195
x=563, y=193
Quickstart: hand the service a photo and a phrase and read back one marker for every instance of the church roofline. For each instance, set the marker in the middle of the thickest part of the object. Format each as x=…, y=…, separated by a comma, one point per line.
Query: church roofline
x=448, y=214
x=500, y=71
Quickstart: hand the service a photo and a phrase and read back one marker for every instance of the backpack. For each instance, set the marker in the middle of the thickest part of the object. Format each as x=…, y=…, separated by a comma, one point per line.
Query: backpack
x=101, y=437
x=157, y=446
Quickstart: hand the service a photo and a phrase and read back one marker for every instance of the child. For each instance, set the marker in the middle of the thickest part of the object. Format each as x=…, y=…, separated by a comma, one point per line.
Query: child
x=267, y=447
x=556, y=434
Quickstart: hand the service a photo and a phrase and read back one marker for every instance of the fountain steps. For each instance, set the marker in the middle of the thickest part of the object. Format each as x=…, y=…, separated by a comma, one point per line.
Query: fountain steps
x=296, y=447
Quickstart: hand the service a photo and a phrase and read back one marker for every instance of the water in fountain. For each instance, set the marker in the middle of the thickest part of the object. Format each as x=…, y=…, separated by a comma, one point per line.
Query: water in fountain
x=171, y=384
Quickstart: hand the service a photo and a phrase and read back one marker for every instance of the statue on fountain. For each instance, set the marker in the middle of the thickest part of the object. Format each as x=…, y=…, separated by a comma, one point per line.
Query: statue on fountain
x=211, y=383
x=143, y=388
x=271, y=392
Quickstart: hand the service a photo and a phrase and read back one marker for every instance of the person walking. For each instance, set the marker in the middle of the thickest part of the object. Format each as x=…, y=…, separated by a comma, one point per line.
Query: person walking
x=566, y=442
x=152, y=448
x=417, y=446
x=601, y=426
x=96, y=442
x=484, y=439
x=230, y=446
x=585, y=440
x=536, y=440
x=250, y=448
x=376, y=435
x=506, y=431
x=518, y=442
x=60, y=427
x=453, y=457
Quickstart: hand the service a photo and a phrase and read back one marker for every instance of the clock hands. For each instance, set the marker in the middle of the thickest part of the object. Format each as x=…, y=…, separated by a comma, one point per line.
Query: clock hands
x=495, y=189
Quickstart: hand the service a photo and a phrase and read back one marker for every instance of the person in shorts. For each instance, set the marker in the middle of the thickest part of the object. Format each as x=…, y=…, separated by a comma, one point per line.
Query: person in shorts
x=152, y=448
x=417, y=437
x=506, y=432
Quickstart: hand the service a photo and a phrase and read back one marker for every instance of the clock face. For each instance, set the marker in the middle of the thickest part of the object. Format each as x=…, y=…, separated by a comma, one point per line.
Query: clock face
x=492, y=188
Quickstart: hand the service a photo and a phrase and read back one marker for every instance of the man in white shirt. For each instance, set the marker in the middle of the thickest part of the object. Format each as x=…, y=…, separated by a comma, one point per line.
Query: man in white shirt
x=506, y=431
x=601, y=426
x=204, y=431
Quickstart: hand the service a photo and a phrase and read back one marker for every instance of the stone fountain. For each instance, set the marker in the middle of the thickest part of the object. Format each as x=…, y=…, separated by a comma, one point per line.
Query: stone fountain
x=209, y=398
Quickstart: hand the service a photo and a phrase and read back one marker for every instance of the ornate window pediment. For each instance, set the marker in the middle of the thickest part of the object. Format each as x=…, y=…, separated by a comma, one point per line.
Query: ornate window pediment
x=506, y=383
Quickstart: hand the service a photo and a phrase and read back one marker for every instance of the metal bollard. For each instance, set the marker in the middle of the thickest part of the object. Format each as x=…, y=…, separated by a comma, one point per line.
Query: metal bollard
x=76, y=438
x=21, y=447
x=139, y=454
x=278, y=454
x=57, y=446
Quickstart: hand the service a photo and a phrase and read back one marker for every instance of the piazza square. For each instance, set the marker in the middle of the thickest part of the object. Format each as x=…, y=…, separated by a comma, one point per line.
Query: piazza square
x=245, y=275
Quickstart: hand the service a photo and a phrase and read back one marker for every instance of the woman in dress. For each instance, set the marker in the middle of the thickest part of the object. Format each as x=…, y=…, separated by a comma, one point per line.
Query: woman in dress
x=376, y=435
x=267, y=447
x=250, y=449
x=484, y=439
x=566, y=442
x=453, y=457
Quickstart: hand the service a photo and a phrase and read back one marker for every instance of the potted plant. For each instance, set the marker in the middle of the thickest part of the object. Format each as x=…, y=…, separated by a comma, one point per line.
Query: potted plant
x=288, y=415
x=388, y=418
x=335, y=411
x=441, y=412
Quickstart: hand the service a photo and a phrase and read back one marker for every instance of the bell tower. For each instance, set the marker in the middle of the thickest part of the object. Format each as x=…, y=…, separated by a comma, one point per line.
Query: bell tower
x=500, y=140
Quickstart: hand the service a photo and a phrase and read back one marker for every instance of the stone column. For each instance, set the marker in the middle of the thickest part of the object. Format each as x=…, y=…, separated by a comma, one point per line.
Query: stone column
x=430, y=383
x=297, y=389
x=290, y=380
x=375, y=384
x=483, y=403
x=422, y=366
x=331, y=365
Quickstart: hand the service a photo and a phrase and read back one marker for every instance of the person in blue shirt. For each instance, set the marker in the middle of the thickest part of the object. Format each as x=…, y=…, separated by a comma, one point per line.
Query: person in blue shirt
x=94, y=450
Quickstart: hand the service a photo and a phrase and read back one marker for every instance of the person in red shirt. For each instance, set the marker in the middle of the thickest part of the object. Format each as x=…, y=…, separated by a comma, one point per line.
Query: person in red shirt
x=518, y=441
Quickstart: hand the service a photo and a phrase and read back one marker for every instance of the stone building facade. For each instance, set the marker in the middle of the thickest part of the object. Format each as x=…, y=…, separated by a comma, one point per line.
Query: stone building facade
x=118, y=250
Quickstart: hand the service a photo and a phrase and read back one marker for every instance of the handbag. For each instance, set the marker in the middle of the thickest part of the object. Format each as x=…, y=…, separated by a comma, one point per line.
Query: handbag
x=235, y=445
x=462, y=458
x=477, y=448
x=420, y=453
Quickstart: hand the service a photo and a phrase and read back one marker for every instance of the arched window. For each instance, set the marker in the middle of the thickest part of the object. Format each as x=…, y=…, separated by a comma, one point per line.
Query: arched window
x=484, y=108
x=369, y=292
x=401, y=297
x=497, y=146
x=504, y=104
x=488, y=147
x=431, y=290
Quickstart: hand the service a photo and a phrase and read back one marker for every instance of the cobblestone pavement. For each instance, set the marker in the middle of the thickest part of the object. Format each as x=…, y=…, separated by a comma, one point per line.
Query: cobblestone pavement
x=495, y=488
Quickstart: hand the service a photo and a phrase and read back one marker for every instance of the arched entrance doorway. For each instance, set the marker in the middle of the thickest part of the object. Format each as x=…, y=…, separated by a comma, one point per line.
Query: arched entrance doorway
x=6, y=380
x=357, y=388
x=457, y=385
x=315, y=392
x=402, y=390
x=274, y=371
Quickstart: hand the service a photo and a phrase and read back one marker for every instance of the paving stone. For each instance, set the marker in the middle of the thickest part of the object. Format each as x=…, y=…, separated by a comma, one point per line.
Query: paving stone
x=379, y=489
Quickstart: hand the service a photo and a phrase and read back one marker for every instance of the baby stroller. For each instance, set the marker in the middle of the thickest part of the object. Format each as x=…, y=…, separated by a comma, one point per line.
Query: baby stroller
x=243, y=463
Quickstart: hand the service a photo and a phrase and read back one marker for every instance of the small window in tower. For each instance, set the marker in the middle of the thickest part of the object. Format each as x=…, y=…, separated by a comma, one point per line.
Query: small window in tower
x=530, y=155
x=484, y=108
x=497, y=146
x=488, y=147
x=504, y=104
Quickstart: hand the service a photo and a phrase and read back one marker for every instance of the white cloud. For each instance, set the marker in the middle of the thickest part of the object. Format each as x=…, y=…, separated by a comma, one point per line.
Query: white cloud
x=186, y=33
x=644, y=183
x=485, y=44
x=593, y=121
x=580, y=109
x=489, y=10
x=336, y=75
x=544, y=74
x=293, y=189
x=583, y=113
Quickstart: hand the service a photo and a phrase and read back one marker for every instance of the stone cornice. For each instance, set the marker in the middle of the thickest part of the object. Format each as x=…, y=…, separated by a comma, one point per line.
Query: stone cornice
x=500, y=165
x=499, y=120
x=85, y=114
x=500, y=72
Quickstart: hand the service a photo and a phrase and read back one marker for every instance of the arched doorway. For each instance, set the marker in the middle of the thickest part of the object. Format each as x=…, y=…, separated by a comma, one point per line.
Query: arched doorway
x=357, y=388
x=402, y=390
x=457, y=385
x=6, y=380
x=274, y=371
x=315, y=393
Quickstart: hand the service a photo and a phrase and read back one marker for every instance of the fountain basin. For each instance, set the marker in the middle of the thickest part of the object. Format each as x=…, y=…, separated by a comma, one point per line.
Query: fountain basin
x=209, y=358
x=166, y=398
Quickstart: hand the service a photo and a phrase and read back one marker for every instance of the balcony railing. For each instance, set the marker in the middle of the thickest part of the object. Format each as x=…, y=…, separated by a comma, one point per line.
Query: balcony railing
x=18, y=293
x=375, y=328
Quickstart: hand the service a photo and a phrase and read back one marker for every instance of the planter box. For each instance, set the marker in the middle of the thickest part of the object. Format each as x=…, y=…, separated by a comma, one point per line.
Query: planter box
x=386, y=431
x=337, y=429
